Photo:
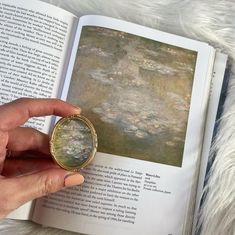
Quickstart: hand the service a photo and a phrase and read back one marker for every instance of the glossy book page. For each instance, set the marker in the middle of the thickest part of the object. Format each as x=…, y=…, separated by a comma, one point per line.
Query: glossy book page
x=146, y=92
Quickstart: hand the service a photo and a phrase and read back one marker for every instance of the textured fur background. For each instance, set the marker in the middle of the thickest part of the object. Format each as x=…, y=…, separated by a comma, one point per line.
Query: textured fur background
x=206, y=20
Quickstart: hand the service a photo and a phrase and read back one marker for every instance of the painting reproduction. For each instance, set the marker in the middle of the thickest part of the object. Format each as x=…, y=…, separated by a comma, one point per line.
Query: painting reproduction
x=136, y=92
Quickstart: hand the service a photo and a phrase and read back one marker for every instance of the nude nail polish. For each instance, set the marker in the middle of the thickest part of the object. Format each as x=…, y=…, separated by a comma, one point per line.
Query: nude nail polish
x=73, y=180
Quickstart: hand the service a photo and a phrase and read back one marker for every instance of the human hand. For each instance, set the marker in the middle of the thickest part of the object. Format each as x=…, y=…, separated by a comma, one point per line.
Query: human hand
x=22, y=180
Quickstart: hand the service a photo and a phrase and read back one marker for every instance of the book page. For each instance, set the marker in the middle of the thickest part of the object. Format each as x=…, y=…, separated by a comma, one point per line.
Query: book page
x=22, y=213
x=216, y=85
x=35, y=41
x=146, y=92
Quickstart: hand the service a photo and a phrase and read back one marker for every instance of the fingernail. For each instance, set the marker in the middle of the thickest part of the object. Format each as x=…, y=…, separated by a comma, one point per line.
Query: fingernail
x=77, y=110
x=73, y=179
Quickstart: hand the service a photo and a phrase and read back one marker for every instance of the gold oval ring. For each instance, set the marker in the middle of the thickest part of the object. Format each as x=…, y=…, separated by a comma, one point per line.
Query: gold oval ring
x=73, y=142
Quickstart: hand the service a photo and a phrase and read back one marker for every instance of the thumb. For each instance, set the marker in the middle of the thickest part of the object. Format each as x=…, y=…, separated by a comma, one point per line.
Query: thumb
x=20, y=190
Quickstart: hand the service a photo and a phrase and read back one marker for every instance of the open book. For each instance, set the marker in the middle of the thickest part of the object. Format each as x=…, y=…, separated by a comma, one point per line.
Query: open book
x=152, y=97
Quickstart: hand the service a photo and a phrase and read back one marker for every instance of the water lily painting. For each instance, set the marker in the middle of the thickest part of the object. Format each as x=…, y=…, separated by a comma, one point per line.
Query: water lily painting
x=136, y=92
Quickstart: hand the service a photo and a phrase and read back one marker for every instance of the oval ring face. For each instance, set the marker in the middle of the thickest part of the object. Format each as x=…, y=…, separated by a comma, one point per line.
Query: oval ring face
x=73, y=143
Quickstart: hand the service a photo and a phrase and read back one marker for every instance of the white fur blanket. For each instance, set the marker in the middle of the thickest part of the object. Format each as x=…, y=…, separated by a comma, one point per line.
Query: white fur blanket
x=205, y=20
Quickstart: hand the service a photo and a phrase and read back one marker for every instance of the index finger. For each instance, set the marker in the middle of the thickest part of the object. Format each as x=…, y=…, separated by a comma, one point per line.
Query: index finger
x=17, y=112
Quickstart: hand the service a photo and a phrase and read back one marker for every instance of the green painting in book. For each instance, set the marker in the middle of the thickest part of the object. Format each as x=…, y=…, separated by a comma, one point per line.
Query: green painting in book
x=136, y=92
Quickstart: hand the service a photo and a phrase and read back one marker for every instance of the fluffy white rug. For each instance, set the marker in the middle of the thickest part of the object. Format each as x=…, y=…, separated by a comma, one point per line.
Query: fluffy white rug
x=205, y=20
